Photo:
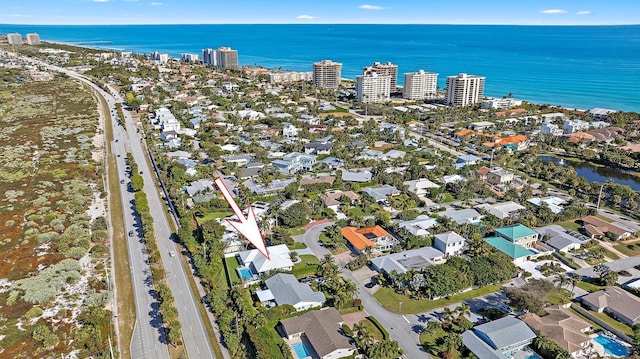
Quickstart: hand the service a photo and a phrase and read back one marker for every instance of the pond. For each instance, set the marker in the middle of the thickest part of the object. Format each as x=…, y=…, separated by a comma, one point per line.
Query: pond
x=595, y=173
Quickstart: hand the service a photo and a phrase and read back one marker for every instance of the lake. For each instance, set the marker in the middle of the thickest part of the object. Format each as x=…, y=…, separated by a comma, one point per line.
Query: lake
x=598, y=174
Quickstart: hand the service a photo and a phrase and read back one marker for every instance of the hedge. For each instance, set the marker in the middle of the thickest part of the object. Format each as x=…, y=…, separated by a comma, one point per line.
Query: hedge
x=385, y=334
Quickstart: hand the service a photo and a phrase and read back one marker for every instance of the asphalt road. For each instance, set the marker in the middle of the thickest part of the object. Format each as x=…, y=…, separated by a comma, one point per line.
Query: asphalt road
x=196, y=340
x=148, y=339
x=401, y=328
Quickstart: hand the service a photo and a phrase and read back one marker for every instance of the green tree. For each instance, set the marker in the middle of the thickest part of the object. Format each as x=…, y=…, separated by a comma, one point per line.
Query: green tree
x=294, y=216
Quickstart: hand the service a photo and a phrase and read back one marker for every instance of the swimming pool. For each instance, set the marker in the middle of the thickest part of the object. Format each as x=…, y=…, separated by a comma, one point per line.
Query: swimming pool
x=612, y=347
x=301, y=350
x=245, y=273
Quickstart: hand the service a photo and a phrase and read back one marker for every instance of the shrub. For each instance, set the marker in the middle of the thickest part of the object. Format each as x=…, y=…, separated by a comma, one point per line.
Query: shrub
x=33, y=313
x=385, y=333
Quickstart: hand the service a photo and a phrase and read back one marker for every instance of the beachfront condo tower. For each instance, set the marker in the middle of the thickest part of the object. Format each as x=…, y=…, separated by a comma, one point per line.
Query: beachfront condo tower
x=373, y=88
x=226, y=58
x=14, y=39
x=386, y=69
x=327, y=74
x=33, y=39
x=464, y=90
x=420, y=85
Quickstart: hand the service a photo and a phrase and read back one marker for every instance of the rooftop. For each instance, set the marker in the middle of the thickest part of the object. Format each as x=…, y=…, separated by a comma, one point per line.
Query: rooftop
x=516, y=231
x=511, y=249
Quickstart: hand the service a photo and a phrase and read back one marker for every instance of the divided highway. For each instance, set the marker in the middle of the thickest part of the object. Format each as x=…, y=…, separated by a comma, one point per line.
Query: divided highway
x=149, y=339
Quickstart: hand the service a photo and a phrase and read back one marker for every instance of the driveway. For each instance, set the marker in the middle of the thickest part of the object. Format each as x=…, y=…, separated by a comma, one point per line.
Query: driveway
x=534, y=268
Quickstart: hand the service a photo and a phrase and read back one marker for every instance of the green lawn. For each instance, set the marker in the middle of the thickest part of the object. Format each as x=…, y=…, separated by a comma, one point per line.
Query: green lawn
x=231, y=264
x=559, y=297
x=589, y=287
x=610, y=254
x=391, y=300
x=214, y=215
x=297, y=246
x=308, y=266
x=630, y=249
x=612, y=322
x=572, y=225
x=375, y=332
x=295, y=231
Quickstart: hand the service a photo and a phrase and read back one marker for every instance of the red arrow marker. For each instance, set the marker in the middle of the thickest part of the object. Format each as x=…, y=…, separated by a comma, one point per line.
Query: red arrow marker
x=246, y=226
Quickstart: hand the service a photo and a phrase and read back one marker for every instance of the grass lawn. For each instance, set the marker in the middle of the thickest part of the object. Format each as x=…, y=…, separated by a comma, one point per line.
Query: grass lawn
x=308, y=266
x=214, y=215
x=610, y=254
x=391, y=300
x=297, y=246
x=630, y=249
x=559, y=297
x=612, y=322
x=429, y=341
x=589, y=287
x=231, y=264
x=355, y=212
x=572, y=225
x=375, y=332
x=295, y=231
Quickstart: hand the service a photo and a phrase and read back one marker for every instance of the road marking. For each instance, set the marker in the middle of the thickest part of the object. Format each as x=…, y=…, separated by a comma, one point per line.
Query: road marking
x=405, y=318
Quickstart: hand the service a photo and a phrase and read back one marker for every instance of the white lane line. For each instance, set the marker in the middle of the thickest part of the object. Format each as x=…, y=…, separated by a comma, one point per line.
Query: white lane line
x=405, y=318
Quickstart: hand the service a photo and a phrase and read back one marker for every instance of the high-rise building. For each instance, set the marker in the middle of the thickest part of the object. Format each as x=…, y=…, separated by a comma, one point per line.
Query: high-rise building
x=327, y=74
x=226, y=58
x=160, y=57
x=33, y=39
x=209, y=57
x=188, y=57
x=464, y=90
x=14, y=39
x=387, y=69
x=420, y=85
x=373, y=88
x=289, y=76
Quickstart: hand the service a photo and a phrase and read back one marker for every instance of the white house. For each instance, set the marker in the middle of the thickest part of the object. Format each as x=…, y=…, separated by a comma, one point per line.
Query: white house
x=449, y=243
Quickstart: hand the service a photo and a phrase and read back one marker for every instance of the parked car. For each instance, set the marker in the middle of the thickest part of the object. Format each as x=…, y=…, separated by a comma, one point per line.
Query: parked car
x=130, y=233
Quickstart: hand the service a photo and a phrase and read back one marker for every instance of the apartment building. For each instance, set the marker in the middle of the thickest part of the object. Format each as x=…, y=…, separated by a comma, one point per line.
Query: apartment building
x=209, y=57
x=33, y=39
x=464, y=90
x=14, y=39
x=327, y=74
x=386, y=69
x=420, y=85
x=373, y=88
x=226, y=58
x=160, y=57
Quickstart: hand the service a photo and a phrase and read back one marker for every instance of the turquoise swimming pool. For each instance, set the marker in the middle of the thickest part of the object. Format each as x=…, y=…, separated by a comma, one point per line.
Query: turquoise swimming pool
x=245, y=273
x=611, y=346
x=301, y=350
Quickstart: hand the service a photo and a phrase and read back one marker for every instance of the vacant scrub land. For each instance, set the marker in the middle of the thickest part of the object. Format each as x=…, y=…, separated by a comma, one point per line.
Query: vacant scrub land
x=53, y=233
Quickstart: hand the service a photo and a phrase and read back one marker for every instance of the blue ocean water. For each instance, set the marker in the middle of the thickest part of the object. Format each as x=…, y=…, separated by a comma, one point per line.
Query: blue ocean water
x=573, y=66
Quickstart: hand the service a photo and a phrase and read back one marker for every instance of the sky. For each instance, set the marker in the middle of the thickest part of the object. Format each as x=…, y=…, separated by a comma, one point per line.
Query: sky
x=512, y=12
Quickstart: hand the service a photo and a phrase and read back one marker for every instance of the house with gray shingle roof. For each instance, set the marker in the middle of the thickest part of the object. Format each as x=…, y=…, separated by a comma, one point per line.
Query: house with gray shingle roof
x=503, y=337
x=616, y=301
x=285, y=289
x=380, y=193
x=321, y=329
x=357, y=176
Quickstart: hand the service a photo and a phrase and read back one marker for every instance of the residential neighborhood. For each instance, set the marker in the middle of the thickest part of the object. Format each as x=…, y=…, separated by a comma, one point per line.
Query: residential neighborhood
x=400, y=228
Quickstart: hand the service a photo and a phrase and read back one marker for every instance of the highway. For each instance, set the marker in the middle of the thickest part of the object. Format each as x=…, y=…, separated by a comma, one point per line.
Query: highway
x=196, y=340
x=149, y=340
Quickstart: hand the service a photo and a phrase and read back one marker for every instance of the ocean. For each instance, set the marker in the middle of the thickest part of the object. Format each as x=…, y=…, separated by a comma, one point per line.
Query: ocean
x=573, y=66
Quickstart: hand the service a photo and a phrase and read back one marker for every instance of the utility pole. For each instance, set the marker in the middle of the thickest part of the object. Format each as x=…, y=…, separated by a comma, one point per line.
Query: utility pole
x=599, y=197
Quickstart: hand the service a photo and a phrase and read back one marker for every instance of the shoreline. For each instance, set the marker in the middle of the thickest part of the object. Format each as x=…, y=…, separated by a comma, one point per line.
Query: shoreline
x=112, y=49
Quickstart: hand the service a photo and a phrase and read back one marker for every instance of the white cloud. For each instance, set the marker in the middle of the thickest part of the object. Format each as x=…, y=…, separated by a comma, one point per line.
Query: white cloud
x=370, y=7
x=100, y=0
x=583, y=12
x=157, y=3
x=306, y=17
x=553, y=11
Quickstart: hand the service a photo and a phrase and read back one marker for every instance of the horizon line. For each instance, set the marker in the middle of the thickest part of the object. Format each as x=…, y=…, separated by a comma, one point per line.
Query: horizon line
x=328, y=23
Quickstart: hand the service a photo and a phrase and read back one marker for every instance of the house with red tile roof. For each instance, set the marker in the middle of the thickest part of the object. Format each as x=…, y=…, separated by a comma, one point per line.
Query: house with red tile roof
x=374, y=237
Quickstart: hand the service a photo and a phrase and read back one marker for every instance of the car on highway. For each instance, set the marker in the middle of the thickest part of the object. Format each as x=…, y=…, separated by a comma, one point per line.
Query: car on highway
x=121, y=181
x=172, y=254
x=130, y=233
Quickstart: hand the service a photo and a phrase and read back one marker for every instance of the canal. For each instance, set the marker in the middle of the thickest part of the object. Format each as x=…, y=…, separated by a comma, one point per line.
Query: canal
x=595, y=173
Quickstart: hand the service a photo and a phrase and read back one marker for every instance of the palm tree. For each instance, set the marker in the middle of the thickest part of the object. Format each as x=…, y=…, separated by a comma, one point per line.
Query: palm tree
x=327, y=267
x=364, y=334
x=561, y=280
x=573, y=281
x=462, y=310
x=447, y=315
